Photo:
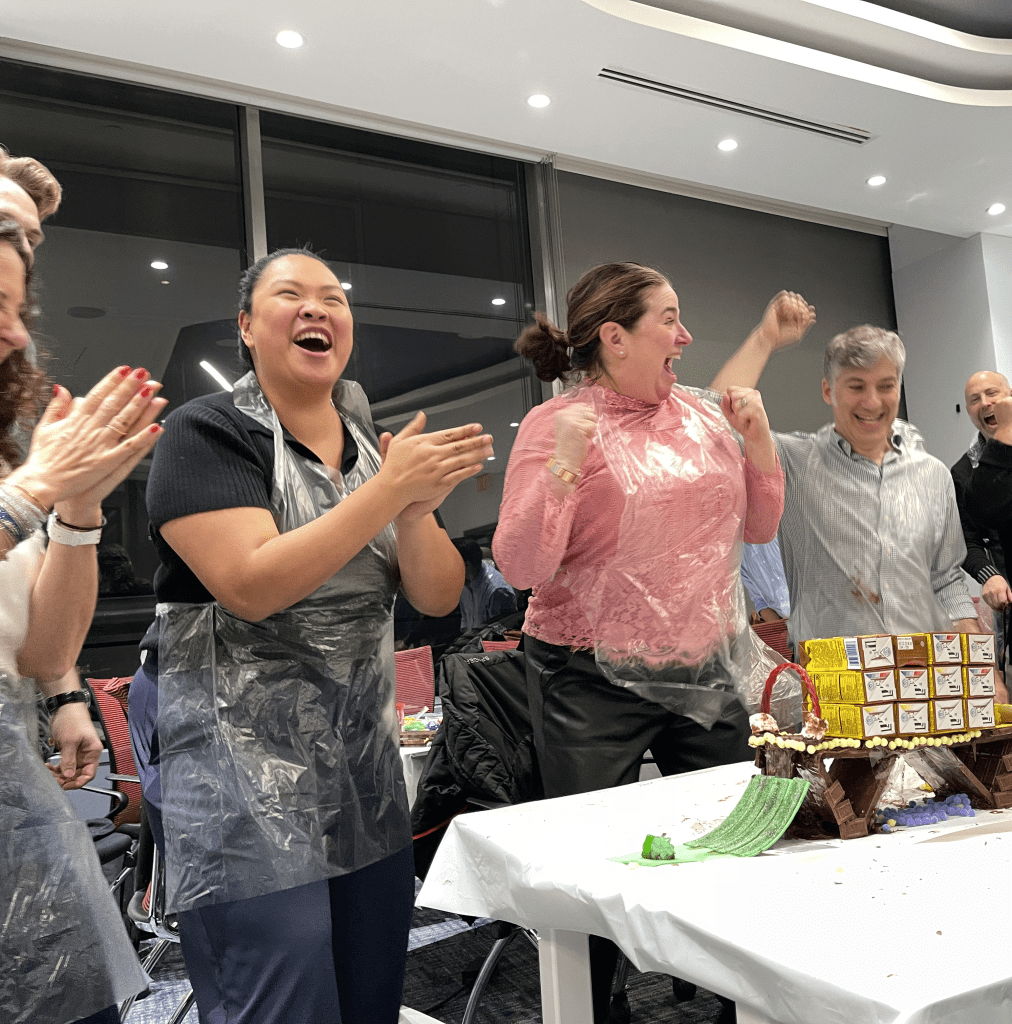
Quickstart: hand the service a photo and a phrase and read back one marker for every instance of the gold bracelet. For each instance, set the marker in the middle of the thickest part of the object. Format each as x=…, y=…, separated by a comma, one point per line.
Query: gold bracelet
x=557, y=469
x=31, y=497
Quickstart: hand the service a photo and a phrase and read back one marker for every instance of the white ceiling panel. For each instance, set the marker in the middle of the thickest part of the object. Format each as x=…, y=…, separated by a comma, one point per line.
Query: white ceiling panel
x=460, y=71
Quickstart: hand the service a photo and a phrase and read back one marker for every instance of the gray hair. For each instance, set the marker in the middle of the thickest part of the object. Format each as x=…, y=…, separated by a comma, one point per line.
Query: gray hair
x=861, y=348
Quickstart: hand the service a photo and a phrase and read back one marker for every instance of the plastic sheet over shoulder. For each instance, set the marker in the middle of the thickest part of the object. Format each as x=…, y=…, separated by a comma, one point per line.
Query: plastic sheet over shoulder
x=303, y=488
x=279, y=752
x=667, y=609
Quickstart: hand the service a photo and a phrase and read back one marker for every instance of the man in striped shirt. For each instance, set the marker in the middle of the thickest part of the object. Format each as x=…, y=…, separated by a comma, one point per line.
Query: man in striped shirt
x=870, y=534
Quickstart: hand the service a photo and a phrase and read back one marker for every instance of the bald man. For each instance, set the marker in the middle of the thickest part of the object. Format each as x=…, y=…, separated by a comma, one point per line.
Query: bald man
x=984, y=557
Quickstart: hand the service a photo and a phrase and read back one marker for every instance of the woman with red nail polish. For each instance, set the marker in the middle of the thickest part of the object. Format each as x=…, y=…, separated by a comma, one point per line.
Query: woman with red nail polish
x=54, y=968
x=284, y=526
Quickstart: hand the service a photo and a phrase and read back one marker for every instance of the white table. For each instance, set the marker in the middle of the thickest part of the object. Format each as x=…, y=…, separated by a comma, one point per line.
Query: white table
x=897, y=929
x=412, y=762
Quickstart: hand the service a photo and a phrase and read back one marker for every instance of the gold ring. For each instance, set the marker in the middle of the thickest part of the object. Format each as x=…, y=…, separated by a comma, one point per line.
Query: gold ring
x=118, y=433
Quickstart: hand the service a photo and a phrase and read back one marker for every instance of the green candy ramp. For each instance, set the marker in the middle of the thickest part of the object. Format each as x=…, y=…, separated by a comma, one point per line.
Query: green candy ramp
x=758, y=820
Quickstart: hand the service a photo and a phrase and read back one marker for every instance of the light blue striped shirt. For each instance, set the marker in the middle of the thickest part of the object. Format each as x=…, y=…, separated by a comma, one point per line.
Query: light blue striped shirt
x=868, y=548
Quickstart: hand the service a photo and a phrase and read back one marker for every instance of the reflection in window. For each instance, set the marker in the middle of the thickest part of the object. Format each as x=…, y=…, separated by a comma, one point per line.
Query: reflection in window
x=430, y=245
x=144, y=251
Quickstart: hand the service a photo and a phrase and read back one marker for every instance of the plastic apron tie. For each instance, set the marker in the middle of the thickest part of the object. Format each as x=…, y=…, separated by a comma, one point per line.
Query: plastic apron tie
x=64, y=952
x=667, y=611
x=280, y=759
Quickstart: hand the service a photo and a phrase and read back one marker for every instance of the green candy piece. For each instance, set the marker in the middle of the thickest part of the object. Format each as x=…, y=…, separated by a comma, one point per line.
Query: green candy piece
x=658, y=848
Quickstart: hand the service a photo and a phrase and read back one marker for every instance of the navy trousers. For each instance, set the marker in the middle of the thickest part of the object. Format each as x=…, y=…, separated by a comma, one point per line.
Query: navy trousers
x=331, y=952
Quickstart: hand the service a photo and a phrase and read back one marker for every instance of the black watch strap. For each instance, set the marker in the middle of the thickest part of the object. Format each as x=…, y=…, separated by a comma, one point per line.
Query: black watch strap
x=54, y=703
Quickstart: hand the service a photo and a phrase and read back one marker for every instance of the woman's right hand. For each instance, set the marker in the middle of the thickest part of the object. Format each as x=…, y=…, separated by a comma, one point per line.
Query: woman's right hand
x=426, y=467
x=574, y=427
x=82, y=448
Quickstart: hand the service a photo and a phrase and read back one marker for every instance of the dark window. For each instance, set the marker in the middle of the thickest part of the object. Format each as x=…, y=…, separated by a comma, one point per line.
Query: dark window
x=431, y=245
x=148, y=176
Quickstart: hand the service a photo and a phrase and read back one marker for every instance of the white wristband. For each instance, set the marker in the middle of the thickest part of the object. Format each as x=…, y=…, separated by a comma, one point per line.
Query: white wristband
x=72, y=538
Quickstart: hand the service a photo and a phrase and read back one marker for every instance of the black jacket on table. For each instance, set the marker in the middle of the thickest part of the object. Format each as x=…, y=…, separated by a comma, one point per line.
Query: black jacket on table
x=984, y=545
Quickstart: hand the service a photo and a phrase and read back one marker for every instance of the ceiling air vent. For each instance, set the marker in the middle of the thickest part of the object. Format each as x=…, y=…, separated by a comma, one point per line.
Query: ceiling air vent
x=833, y=131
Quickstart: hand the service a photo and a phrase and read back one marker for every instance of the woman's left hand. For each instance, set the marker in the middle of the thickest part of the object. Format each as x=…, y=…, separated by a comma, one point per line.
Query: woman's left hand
x=417, y=510
x=80, y=748
x=744, y=410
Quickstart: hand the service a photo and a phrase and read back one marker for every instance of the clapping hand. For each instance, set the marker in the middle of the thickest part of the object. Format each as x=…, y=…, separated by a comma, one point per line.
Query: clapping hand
x=82, y=448
x=426, y=467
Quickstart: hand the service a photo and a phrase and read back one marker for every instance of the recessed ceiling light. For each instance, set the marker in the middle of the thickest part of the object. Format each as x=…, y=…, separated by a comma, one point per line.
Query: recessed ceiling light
x=491, y=458
x=514, y=424
x=727, y=145
x=538, y=100
x=289, y=39
x=996, y=208
x=165, y=282
x=346, y=285
x=159, y=265
x=876, y=179
x=498, y=302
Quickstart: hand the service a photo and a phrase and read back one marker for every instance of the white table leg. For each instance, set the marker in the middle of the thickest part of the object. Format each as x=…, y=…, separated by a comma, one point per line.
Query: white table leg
x=565, y=978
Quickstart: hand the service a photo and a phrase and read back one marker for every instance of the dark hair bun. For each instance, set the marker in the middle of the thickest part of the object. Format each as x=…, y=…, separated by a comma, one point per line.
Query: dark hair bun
x=546, y=347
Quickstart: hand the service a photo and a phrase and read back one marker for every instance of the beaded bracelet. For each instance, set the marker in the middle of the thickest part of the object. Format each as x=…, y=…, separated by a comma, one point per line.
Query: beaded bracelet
x=18, y=516
x=14, y=501
x=11, y=526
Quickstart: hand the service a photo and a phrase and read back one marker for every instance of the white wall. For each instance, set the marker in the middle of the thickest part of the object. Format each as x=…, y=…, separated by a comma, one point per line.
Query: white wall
x=944, y=309
x=726, y=263
x=998, y=270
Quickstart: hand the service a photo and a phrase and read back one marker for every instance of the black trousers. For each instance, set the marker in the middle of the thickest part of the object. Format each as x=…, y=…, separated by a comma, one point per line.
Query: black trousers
x=591, y=734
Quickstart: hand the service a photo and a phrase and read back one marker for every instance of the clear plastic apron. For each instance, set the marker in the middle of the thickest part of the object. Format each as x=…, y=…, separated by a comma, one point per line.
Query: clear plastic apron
x=64, y=952
x=668, y=609
x=280, y=758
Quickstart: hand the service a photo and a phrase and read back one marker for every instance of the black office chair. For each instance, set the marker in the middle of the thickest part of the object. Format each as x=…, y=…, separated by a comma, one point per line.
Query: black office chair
x=151, y=917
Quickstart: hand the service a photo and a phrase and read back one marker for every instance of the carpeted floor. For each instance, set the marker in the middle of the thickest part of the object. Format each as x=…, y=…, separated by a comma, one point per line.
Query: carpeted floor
x=445, y=955
x=514, y=994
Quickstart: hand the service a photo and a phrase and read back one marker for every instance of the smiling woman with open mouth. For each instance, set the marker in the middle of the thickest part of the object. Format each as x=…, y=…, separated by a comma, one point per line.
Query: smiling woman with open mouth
x=625, y=504
x=284, y=527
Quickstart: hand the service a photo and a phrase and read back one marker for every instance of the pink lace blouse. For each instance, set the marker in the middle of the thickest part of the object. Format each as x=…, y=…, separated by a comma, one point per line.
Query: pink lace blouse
x=677, y=450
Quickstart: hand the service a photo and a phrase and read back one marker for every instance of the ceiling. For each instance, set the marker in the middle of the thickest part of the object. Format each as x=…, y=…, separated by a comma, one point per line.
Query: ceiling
x=460, y=71
x=981, y=17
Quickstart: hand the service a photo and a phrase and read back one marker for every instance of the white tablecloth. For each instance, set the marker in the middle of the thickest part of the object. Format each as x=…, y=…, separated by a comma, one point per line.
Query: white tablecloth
x=882, y=930
x=412, y=762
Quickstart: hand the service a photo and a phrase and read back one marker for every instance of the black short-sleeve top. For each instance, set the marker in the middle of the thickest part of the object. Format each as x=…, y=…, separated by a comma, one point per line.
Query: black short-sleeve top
x=211, y=456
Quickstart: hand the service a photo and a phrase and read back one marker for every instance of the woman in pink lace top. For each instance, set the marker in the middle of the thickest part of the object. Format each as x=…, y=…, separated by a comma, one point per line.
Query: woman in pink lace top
x=625, y=504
